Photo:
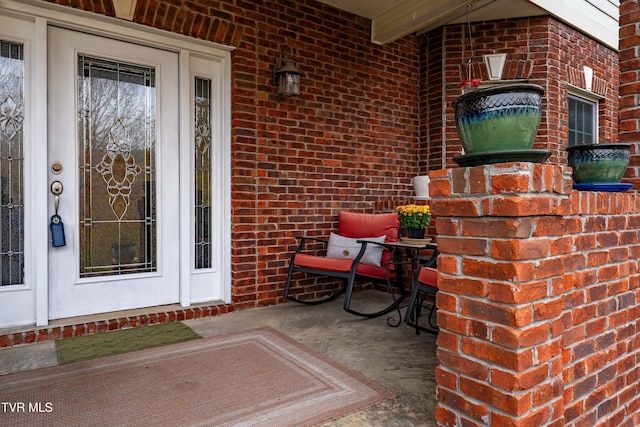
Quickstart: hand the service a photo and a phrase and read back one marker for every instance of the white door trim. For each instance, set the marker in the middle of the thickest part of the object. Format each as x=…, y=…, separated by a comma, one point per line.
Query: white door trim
x=197, y=283
x=76, y=19
x=40, y=191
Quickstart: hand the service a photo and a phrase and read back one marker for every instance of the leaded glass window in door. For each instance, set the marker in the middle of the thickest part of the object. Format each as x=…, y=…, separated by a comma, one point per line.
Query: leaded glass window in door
x=203, y=172
x=117, y=173
x=12, y=162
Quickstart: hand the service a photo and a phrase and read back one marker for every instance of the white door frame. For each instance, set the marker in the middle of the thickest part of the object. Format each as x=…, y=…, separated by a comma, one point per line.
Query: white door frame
x=17, y=302
x=44, y=14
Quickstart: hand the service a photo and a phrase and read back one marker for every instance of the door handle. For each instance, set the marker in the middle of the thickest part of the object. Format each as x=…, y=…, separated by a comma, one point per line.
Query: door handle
x=56, y=190
x=56, y=225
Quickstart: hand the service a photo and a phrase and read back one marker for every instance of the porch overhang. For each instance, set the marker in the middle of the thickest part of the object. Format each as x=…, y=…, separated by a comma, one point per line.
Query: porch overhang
x=392, y=20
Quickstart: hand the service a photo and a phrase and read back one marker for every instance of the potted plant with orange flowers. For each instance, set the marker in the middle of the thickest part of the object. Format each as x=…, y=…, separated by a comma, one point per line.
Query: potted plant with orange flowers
x=415, y=219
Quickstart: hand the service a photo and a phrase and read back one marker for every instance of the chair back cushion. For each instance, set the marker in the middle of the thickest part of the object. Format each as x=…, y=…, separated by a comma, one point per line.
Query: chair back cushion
x=359, y=225
x=363, y=226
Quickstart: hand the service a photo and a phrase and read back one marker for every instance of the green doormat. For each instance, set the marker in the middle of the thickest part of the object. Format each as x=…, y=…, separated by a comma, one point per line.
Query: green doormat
x=123, y=341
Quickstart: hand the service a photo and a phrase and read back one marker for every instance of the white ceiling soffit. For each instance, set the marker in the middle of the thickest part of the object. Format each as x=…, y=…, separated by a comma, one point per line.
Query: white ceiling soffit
x=394, y=19
x=598, y=18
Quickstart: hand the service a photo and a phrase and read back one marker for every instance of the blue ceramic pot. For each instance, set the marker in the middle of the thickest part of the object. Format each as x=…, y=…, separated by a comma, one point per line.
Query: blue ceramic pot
x=598, y=163
x=499, y=118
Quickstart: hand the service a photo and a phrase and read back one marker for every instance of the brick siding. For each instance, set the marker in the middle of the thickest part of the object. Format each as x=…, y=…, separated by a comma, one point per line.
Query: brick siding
x=75, y=327
x=539, y=301
x=629, y=87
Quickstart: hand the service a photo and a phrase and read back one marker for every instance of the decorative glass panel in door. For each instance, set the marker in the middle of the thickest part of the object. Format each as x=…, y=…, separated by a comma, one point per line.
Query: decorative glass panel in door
x=203, y=172
x=117, y=177
x=11, y=162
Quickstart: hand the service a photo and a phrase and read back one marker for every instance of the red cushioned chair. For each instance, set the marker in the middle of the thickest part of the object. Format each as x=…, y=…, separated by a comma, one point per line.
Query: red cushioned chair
x=355, y=226
x=426, y=284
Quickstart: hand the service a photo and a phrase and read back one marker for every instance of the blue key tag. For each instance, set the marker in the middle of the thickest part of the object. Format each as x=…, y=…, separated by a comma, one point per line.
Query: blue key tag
x=57, y=231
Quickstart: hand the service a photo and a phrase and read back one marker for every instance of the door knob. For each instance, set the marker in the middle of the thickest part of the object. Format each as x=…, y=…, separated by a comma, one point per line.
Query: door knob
x=56, y=188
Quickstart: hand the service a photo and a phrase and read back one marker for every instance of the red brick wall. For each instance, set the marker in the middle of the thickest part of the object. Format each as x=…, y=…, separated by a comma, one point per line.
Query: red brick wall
x=629, y=86
x=347, y=142
x=539, y=302
x=432, y=138
x=541, y=50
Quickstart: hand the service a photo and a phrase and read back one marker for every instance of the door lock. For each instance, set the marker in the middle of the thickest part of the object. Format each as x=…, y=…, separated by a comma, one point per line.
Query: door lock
x=56, y=168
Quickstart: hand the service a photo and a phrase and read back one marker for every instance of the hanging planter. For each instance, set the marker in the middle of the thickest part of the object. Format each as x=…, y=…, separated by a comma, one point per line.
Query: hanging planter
x=499, y=124
x=471, y=82
x=599, y=167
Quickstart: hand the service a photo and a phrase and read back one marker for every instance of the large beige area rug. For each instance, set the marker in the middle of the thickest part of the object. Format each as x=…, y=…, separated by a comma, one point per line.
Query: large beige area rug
x=257, y=377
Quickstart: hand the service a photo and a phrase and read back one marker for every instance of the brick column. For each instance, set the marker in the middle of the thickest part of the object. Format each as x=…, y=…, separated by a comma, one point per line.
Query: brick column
x=501, y=280
x=629, y=127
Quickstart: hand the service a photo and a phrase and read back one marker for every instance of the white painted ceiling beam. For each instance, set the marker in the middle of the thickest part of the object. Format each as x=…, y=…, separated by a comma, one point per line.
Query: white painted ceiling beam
x=410, y=16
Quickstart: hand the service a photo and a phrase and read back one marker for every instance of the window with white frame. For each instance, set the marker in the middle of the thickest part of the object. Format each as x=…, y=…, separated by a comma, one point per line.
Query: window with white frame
x=583, y=120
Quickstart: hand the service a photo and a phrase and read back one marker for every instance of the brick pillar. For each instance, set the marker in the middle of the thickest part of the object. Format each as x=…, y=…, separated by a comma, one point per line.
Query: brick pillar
x=501, y=280
x=629, y=127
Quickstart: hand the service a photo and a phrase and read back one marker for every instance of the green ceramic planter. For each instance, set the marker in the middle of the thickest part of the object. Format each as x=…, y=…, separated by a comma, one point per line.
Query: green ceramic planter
x=598, y=163
x=499, y=118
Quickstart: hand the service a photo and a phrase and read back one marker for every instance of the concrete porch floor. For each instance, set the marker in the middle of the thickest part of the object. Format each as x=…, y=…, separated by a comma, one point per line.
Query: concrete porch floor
x=394, y=357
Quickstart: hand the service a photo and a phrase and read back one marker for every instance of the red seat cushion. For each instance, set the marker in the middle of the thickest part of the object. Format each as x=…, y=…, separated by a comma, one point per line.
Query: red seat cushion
x=322, y=263
x=342, y=265
x=428, y=276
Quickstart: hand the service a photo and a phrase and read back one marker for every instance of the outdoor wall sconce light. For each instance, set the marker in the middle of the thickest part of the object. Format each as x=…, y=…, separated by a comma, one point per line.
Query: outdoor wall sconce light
x=286, y=76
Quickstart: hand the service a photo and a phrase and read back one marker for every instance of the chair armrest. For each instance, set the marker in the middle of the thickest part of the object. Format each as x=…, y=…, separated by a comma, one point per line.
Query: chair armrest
x=363, y=249
x=370, y=242
x=305, y=239
x=432, y=260
x=394, y=259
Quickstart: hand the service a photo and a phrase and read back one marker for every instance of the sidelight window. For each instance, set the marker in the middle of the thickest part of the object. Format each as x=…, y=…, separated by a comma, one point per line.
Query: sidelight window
x=203, y=173
x=12, y=162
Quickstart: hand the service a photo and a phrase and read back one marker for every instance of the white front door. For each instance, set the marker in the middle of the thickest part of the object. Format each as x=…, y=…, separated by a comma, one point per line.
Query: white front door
x=113, y=147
